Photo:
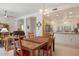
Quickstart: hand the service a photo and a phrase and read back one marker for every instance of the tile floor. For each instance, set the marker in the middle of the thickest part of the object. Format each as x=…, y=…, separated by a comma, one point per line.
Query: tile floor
x=63, y=50
x=4, y=53
x=60, y=50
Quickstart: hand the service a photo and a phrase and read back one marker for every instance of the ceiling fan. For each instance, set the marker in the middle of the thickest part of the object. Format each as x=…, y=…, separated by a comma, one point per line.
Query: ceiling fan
x=6, y=14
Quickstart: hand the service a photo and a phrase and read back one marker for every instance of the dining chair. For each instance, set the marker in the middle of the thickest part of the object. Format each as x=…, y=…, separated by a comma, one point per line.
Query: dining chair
x=46, y=34
x=1, y=43
x=31, y=35
x=21, y=34
x=48, y=46
x=18, y=50
x=4, y=35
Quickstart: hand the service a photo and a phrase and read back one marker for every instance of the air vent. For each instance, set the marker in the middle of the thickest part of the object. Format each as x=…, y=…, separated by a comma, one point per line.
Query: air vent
x=54, y=9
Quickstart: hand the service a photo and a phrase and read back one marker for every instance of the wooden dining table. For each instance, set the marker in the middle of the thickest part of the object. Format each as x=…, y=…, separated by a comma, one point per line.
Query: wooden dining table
x=43, y=39
x=34, y=44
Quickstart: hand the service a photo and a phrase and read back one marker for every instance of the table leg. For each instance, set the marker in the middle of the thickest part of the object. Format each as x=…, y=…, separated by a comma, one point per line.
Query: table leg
x=33, y=53
x=39, y=52
x=53, y=45
x=4, y=44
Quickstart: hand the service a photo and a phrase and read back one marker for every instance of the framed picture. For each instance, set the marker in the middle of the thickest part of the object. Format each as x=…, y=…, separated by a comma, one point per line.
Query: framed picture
x=27, y=27
x=39, y=25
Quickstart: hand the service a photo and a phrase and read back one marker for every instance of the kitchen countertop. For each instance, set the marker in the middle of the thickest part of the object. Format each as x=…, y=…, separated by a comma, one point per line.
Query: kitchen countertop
x=66, y=33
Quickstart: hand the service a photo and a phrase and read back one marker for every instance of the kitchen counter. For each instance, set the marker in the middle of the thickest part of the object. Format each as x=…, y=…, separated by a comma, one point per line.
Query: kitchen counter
x=66, y=33
x=67, y=38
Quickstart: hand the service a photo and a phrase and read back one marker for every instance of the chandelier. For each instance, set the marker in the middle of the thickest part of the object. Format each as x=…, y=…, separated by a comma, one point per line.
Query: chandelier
x=44, y=10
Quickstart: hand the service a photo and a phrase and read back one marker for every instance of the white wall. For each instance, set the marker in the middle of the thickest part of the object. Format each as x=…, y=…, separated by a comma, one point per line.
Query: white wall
x=38, y=18
x=31, y=23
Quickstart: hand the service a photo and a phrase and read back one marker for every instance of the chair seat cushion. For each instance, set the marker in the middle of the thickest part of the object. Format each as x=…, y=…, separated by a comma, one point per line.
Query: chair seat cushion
x=24, y=53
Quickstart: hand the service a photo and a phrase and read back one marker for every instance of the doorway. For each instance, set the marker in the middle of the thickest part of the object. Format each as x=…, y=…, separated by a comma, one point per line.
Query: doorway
x=31, y=24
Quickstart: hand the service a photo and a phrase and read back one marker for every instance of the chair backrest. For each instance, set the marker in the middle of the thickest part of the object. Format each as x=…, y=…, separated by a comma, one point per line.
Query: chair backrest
x=6, y=34
x=51, y=37
x=17, y=46
x=46, y=34
x=21, y=34
x=31, y=35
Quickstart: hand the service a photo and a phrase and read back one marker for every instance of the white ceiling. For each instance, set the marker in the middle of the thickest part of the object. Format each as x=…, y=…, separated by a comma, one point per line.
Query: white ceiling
x=70, y=13
x=22, y=9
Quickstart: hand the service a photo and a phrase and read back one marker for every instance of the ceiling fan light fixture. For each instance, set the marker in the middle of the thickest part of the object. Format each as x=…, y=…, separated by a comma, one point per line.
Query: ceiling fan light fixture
x=5, y=16
x=41, y=10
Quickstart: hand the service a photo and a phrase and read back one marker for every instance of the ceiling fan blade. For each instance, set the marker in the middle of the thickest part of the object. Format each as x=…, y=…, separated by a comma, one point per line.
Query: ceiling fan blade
x=10, y=17
x=5, y=15
x=5, y=12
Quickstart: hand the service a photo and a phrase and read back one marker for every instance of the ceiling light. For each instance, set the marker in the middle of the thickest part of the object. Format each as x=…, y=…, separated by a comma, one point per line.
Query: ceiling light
x=53, y=22
x=41, y=10
x=70, y=12
x=46, y=10
x=57, y=15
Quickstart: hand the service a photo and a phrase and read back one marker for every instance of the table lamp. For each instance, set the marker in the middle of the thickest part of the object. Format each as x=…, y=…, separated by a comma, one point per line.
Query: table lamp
x=4, y=31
